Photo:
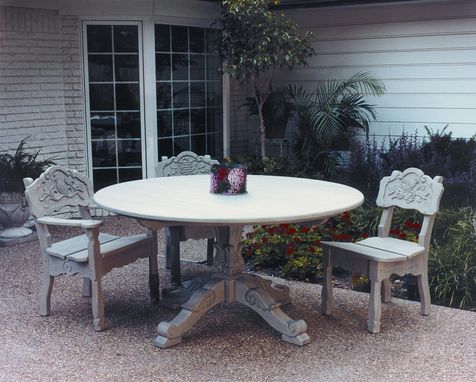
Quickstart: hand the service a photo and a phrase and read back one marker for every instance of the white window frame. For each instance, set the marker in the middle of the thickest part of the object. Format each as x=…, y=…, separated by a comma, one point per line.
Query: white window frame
x=148, y=107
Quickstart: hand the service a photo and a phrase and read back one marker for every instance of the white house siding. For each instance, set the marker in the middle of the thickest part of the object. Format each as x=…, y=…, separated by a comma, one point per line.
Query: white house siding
x=425, y=53
x=40, y=84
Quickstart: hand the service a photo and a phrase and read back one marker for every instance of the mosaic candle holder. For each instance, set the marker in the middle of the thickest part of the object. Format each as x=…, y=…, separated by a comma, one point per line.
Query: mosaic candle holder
x=228, y=179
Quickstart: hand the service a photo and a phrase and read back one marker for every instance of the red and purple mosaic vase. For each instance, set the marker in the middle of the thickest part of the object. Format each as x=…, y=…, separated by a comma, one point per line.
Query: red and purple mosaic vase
x=228, y=179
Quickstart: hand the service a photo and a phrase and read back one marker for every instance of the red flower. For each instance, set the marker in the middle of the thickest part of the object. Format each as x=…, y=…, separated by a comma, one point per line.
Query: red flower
x=342, y=237
x=292, y=230
x=364, y=235
x=395, y=232
x=290, y=250
x=305, y=229
x=402, y=235
x=345, y=216
x=222, y=173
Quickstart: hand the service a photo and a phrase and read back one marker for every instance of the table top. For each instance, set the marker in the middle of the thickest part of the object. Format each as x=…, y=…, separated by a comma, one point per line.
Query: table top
x=269, y=200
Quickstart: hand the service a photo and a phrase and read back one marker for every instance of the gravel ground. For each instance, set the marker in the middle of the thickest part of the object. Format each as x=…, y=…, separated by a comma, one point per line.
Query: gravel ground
x=231, y=343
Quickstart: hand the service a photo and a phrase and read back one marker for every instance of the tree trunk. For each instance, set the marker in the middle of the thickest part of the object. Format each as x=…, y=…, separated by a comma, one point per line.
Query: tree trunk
x=262, y=131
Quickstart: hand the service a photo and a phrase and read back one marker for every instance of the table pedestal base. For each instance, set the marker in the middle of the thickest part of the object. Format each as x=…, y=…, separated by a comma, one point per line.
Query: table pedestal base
x=249, y=290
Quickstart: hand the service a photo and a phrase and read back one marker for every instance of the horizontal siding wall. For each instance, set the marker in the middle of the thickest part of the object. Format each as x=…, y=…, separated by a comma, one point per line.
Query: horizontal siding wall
x=40, y=84
x=425, y=54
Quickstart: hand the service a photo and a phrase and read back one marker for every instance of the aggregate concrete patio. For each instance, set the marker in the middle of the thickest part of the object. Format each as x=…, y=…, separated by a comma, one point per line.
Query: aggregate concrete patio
x=231, y=343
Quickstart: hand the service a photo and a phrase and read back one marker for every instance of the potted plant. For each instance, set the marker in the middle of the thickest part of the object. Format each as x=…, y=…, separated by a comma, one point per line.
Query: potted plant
x=14, y=210
x=256, y=43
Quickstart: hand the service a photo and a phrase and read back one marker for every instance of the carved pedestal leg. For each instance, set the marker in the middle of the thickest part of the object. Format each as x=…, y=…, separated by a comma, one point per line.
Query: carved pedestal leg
x=386, y=290
x=98, y=306
x=278, y=292
x=327, y=292
x=86, y=287
x=45, y=295
x=170, y=333
x=424, y=291
x=258, y=299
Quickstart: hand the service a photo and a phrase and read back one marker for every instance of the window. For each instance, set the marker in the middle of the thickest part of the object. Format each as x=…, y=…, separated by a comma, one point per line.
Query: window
x=114, y=103
x=189, y=90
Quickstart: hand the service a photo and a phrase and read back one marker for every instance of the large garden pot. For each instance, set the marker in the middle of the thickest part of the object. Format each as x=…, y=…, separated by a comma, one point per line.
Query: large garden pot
x=14, y=212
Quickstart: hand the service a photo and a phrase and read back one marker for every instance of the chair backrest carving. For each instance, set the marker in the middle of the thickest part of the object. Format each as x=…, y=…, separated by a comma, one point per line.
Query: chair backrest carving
x=56, y=188
x=411, y=189
x=185, y=163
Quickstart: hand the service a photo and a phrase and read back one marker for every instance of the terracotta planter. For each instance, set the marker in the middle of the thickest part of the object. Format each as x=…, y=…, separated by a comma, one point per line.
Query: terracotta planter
x=14, y=212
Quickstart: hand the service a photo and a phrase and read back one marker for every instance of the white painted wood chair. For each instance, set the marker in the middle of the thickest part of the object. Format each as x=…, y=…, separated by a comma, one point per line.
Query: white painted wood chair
x=91, y=255
x=185, y=163
x=380, y=257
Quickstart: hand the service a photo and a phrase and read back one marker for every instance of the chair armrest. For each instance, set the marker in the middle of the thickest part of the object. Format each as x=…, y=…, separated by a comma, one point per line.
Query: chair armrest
x=84, y=223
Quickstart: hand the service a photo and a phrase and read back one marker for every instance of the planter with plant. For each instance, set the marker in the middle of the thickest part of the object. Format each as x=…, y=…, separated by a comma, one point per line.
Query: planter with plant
x=14, y=211
x=256, y=43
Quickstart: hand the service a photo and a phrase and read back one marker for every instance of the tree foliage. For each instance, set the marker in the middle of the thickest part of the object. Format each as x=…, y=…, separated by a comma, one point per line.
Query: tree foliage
x=256, y=42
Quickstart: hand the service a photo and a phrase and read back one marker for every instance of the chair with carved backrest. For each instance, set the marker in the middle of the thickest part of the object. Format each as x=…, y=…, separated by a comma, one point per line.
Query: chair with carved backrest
x=185, y=163
x=91, y=255
x=380, y=257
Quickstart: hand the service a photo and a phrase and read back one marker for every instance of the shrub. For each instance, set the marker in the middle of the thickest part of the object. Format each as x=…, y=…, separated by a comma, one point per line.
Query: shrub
x=452, y=265
x=440, y=154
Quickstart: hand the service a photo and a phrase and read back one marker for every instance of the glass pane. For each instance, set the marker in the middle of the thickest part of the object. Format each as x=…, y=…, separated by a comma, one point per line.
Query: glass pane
x=162, y=38
x=164, y=123
x=126, y=38
x=181, y=122
x=127, y=97
x=199, y=144
x=197, y=118
x=162, y=67
x=128, y=125
x=213, y=63
x=101, y=97
x=104, y=178
x=127, y=174
x=197, y=40
x=129, y=152
x=127, y=67
x=213, y=40
x=179, y=39
x=164, y=95
x=215, y=145
x=104, y=153
x=197, y=68
x=214, y=119
x=180, y=67
x=214, y=91
x=197, y=94
x=165, y=148
x=103, y=126
x=99, y=38
x=181, y=144
x=180, y=94
x=100, y=67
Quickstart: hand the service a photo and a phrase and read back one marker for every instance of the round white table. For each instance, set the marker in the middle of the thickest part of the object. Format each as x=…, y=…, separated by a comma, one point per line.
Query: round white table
x=186, y=200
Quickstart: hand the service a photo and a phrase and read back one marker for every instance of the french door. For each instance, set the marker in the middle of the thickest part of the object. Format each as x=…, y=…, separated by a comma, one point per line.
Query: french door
x=188, y=98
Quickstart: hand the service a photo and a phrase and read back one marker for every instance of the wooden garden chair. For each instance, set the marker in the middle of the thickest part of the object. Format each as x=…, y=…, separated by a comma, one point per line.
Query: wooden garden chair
x=185, y=163
x=91, y=255
x=380, y=257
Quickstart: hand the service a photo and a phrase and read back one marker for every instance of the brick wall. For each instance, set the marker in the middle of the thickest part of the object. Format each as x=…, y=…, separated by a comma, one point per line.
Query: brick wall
x=40, y=84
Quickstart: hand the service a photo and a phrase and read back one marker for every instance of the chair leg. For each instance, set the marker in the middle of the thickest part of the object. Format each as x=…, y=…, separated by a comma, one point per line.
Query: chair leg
x=154, y=283
x=98, y=305
x=86, y=287
x=424, y=291
x=45, y=294
x=174, y=255
x=210, y=243
x=386, y=290
x=327, y=292
x=375, y=304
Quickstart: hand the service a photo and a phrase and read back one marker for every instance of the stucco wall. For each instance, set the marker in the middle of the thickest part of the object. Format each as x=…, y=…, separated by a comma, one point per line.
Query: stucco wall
x=40, y=84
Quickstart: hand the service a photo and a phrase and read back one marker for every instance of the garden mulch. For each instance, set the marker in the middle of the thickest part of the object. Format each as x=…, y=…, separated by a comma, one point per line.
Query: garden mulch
x=230, y=343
